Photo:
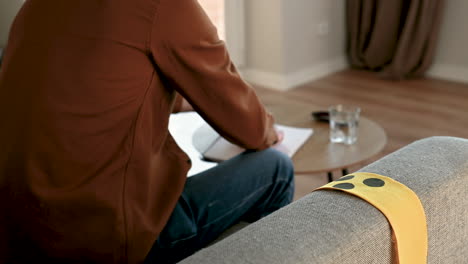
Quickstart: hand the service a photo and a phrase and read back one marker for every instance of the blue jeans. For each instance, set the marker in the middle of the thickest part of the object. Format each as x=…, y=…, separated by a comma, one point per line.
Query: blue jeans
x=244, y=188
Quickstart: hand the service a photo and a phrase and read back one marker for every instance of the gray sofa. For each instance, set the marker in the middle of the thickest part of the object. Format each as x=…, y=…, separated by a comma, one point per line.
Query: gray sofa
x=334, y=227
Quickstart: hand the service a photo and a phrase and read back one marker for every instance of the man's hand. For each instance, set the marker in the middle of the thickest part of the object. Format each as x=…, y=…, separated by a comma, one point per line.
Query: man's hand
x=280, y=135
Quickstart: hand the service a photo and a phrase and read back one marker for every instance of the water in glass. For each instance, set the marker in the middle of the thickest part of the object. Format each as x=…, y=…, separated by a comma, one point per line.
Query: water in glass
x=344, y=124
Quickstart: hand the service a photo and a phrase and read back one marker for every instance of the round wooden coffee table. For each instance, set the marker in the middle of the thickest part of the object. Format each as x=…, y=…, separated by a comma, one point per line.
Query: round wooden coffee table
x=318, y=154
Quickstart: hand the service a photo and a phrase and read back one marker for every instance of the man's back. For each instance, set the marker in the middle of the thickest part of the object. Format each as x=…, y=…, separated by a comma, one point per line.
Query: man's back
x=78, y=89
x=87, y=166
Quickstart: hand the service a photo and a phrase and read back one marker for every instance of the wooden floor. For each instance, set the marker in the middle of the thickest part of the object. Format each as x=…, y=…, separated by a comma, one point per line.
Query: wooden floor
x=407, y=110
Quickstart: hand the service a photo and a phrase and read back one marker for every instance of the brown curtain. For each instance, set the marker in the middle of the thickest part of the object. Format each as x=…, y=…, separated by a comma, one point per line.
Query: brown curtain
x=394, y=37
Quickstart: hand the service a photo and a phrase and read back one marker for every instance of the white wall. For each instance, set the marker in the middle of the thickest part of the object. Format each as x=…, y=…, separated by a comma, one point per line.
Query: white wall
x=284, y=47
x=451, y=58
x=264, y=40
x=8, y=10
x=304, y=45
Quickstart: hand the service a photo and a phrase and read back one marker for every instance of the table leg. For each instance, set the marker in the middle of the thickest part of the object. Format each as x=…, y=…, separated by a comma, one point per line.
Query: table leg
x=330, y=176
x=344, y=172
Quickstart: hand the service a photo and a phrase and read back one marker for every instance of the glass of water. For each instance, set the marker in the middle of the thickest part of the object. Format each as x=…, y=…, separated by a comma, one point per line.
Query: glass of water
x=344, y=121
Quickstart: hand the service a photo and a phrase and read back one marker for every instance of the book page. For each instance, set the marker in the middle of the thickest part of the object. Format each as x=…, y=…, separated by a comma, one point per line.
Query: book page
x=182, y=127
x=222, y=150
x=294, y=138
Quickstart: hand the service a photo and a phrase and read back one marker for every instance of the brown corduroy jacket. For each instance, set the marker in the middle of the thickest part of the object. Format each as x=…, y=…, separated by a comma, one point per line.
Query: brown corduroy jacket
x=88, y=170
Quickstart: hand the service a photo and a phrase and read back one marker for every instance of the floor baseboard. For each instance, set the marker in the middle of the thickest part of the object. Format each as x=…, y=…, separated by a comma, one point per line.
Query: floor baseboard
x=449, y=72
x=284, y=82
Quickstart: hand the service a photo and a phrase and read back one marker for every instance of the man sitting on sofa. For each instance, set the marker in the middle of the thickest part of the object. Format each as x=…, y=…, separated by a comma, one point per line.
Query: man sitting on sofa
x=88, y=170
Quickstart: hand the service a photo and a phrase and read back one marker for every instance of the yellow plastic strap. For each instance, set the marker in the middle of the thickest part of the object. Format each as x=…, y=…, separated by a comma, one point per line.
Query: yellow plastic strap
x=399, y=204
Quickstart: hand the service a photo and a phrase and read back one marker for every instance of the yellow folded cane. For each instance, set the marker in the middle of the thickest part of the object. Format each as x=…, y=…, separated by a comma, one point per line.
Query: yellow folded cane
x=401, y=207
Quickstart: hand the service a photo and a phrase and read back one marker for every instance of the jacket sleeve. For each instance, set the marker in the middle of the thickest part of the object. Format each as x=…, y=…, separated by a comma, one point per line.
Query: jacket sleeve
x=177, y=104
x=186, y=48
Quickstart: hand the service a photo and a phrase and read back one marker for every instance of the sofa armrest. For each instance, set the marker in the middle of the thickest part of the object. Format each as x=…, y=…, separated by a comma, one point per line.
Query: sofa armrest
x=335, y=227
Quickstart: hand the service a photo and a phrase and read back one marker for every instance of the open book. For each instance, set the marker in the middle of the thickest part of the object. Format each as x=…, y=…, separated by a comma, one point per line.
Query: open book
x=220, y=149
x=203, y=143
x=182, y=127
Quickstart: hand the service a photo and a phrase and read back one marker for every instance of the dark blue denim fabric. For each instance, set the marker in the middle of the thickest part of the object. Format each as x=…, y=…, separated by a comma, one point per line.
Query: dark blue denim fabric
x=245, y=188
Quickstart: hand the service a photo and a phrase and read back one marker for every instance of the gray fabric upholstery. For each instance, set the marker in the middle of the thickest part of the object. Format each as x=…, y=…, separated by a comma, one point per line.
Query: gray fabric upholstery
x=335, y=227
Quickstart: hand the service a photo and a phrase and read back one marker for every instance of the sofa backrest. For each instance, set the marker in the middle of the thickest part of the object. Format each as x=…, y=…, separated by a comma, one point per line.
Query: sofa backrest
x=328, y=227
